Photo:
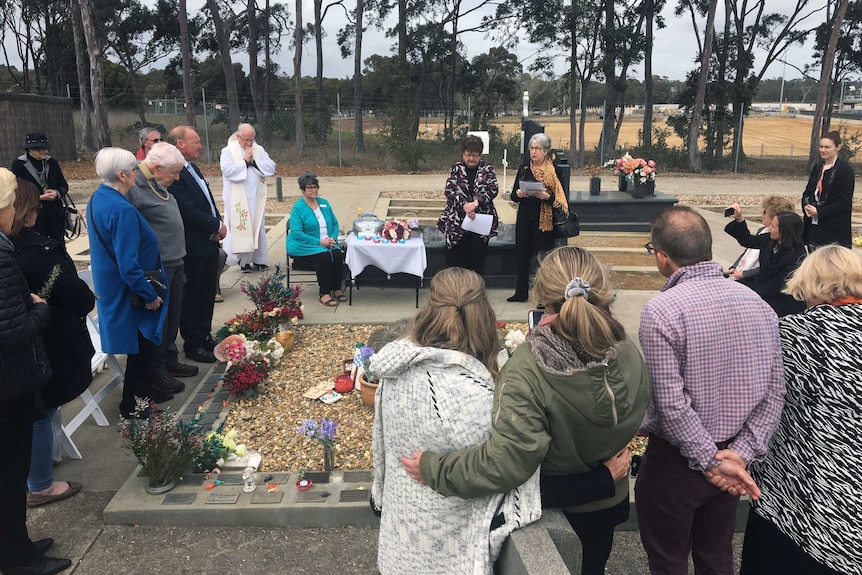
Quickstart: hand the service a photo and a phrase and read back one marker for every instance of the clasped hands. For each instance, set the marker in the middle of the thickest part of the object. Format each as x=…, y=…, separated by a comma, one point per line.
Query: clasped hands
x=49, y=195
x=543, y=195
x=328, y=243
x=730, y=475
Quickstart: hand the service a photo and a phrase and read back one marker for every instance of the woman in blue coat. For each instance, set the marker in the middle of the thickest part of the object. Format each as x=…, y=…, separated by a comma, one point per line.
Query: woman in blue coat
x=311, y=240
x=122, y=248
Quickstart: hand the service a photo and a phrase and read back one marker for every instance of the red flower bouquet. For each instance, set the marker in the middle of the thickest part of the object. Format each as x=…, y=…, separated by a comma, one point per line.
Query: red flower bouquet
x=243, y=377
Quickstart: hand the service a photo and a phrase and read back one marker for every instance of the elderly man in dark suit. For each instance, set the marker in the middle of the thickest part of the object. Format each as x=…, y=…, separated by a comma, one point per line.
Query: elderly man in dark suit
x=204, y=230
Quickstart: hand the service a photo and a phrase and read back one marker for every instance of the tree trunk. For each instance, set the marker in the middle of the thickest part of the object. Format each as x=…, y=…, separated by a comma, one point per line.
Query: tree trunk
x=253, y=75
x=266, y=121
x=609, y=68
x=297, y=80
x=449, y=133
x=223, y=39
x=81, y=69
x=97, y=87
x=649, y=7
x=817, y=128
x=576, y=158
x=694, y=128
x=359, y=138
x=402, y=31
x=186, y=54
x=319, y=125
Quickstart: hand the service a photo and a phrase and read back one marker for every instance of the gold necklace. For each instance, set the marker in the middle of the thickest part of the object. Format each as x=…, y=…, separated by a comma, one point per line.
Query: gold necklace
x=145, y=171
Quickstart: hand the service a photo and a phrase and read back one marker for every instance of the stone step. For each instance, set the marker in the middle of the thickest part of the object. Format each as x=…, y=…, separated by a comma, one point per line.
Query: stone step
x=404, y=203
x=395, y=212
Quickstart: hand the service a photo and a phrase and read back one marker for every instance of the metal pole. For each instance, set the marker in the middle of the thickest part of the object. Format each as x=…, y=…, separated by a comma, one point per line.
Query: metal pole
x=278, y=192
x=206, y=124
x=338, y=106
x=738, y=140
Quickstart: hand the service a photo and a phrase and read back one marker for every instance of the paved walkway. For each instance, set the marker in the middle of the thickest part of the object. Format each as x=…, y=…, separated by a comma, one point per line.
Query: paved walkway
x=96, y=548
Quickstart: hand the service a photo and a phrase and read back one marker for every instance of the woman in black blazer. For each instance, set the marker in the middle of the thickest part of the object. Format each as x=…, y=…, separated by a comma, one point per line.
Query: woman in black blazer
x=828, y=198
x=781, y=252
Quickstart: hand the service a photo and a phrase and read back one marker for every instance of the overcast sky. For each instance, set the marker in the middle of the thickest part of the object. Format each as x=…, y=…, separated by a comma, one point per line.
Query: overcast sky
x=675, y=46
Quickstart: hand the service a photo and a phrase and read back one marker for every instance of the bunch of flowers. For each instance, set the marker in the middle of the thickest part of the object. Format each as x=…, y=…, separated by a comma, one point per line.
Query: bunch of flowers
x=242, y=377
x=323, y=433
x=396, y=229
x=644, y=171
x=164, y=447
x=509, y=340
x=275, y=303
x=622, y=165
x=238, y=347
x=594, y=170
x=216, y=447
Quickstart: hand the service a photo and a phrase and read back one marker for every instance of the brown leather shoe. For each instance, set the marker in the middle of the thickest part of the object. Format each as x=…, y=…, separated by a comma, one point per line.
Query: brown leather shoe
x=35, y=500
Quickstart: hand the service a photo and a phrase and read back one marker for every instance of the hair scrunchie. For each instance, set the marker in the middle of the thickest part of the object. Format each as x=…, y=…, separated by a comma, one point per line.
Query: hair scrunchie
x=578, y=287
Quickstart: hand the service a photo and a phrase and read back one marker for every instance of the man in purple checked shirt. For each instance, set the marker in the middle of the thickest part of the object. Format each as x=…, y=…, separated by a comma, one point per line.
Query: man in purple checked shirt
x=713, y=351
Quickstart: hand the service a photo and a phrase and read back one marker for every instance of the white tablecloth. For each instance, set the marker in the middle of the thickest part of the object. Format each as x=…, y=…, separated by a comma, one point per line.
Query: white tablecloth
x=392, y=258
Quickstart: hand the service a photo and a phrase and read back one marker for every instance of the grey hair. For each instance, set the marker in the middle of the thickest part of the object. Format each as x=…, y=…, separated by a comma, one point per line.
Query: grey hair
x=541, y=139
x=307, y=178
x=144, y=132
x=111, y=161
x=244, y=126
x=164, y=155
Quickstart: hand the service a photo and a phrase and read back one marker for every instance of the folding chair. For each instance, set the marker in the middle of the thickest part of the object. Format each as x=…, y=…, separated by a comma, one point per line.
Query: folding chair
x=100, y=361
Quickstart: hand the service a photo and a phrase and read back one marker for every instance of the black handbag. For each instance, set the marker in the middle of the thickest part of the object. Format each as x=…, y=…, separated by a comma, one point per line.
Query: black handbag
x=566, y=225
x=73, y=221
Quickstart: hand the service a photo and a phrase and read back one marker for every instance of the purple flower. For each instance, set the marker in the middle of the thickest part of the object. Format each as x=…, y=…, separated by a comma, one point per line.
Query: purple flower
x=328, y=428
x=323, y=433
x=308, y=428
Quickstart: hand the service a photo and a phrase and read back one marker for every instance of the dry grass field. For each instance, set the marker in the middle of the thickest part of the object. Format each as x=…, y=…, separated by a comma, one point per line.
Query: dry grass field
x=775, y=136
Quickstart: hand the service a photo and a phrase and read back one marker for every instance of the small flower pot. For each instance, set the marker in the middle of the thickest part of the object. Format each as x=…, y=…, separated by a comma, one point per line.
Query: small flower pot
x=639, y=190
x=159, y=489
x=623, y=183
x=595, y=186
x=304, y=484
x=367, y=390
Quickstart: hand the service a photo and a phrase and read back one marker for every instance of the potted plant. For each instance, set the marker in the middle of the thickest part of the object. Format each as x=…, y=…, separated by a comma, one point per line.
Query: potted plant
x=378, y=338
x=595, y=179
x=643, y=175
x=164, y=447
x=324, y=434
x=623, y=167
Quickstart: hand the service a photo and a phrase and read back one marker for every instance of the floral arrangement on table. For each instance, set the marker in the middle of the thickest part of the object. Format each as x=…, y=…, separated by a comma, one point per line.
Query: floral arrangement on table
x=622, y=165
x=276, y=306
x=509, y=340
x=162, y=444
x=395, y=230
x=644, y=171
x=324, y=434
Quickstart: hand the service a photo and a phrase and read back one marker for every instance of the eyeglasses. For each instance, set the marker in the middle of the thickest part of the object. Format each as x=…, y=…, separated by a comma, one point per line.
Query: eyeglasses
x=535, y=149
x=312, y=187
x=650, y=248
x=155, y=141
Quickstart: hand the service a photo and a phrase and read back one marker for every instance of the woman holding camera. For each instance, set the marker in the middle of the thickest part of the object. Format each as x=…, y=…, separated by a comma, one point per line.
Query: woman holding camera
x=781, y=252
x=828, y=198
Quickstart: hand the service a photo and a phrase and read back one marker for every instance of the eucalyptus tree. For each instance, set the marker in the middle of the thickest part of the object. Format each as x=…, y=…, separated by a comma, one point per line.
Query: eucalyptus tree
x=222, y=29
x=81, y=70
x=848, y=52
x=817, y=125
x=492, y=83
x=97, y=87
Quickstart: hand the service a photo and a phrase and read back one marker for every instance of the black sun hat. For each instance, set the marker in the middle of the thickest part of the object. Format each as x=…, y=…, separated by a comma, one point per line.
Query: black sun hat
x=36, y=140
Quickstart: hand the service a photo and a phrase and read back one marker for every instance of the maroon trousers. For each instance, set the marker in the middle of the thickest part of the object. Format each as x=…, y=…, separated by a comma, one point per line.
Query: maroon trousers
x=680, y=512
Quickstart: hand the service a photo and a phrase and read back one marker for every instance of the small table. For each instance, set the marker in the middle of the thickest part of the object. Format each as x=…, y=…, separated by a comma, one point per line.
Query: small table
x=392, y=258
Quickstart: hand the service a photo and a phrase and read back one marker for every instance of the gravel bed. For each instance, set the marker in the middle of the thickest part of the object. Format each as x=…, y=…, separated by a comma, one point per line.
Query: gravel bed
x=268, y=421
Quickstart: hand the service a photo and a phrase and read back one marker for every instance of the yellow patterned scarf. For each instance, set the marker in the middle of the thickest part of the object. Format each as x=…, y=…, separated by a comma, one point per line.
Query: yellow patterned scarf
x=548, y=176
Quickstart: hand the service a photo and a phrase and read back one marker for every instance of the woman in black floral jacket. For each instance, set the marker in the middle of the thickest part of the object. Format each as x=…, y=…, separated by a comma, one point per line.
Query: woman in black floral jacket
x=470, y=189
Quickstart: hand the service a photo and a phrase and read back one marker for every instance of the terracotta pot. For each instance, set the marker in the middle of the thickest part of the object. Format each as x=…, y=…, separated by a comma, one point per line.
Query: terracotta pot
x=367, y=391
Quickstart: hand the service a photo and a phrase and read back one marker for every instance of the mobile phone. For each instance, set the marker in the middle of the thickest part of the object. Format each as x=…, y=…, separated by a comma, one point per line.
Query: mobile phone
x=728, y=212
x=533, y=317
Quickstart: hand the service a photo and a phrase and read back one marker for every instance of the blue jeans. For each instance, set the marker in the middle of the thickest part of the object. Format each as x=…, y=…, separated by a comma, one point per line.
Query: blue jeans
x=41, y=474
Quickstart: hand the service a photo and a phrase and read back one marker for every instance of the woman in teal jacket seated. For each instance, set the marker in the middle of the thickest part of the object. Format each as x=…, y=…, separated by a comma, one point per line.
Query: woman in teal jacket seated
x=311, y=240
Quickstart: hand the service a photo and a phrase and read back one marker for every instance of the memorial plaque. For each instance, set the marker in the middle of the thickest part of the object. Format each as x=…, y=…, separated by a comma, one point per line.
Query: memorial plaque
x=311, y=497
x=318, y=476
x=195, y=479
x=223, y=498
x=266, y=498
x=354, y=495
x=357, y=477
x=231, y=478
x=179, y=499
x=280, y=478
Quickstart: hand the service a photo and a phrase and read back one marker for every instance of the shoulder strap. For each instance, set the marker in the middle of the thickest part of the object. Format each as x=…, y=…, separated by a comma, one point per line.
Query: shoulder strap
x=29, y=167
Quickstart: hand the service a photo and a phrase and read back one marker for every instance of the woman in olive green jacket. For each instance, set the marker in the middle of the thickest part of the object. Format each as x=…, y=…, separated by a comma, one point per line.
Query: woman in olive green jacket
x=569, y=399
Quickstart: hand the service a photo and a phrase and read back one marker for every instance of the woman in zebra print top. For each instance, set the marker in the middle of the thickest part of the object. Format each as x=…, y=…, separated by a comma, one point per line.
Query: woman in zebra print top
x=807, y=518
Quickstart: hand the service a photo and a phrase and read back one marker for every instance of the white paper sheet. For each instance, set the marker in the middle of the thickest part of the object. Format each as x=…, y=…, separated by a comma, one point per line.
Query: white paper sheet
x=530, y=188
x=481, y=224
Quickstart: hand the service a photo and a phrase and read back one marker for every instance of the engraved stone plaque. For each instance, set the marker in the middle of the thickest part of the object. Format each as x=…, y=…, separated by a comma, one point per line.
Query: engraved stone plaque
x=223, y=498
x=357, y=477
x=231, y=478
x=267, y=498
x=179, y=499
x=354, y=495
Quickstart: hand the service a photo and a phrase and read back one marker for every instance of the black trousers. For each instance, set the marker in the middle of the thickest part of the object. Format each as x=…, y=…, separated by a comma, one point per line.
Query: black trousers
x=530, y=241
x=329, y=267
x=166, y=352
x=469, y=253
x=16, y=428
x=595, y=529
x=196, y=316
x=138, y=370
x=768, y=551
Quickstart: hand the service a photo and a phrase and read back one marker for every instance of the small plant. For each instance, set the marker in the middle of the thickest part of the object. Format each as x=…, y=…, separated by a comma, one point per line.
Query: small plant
x=164, y=447
x=594, y=170
x=48, y=286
